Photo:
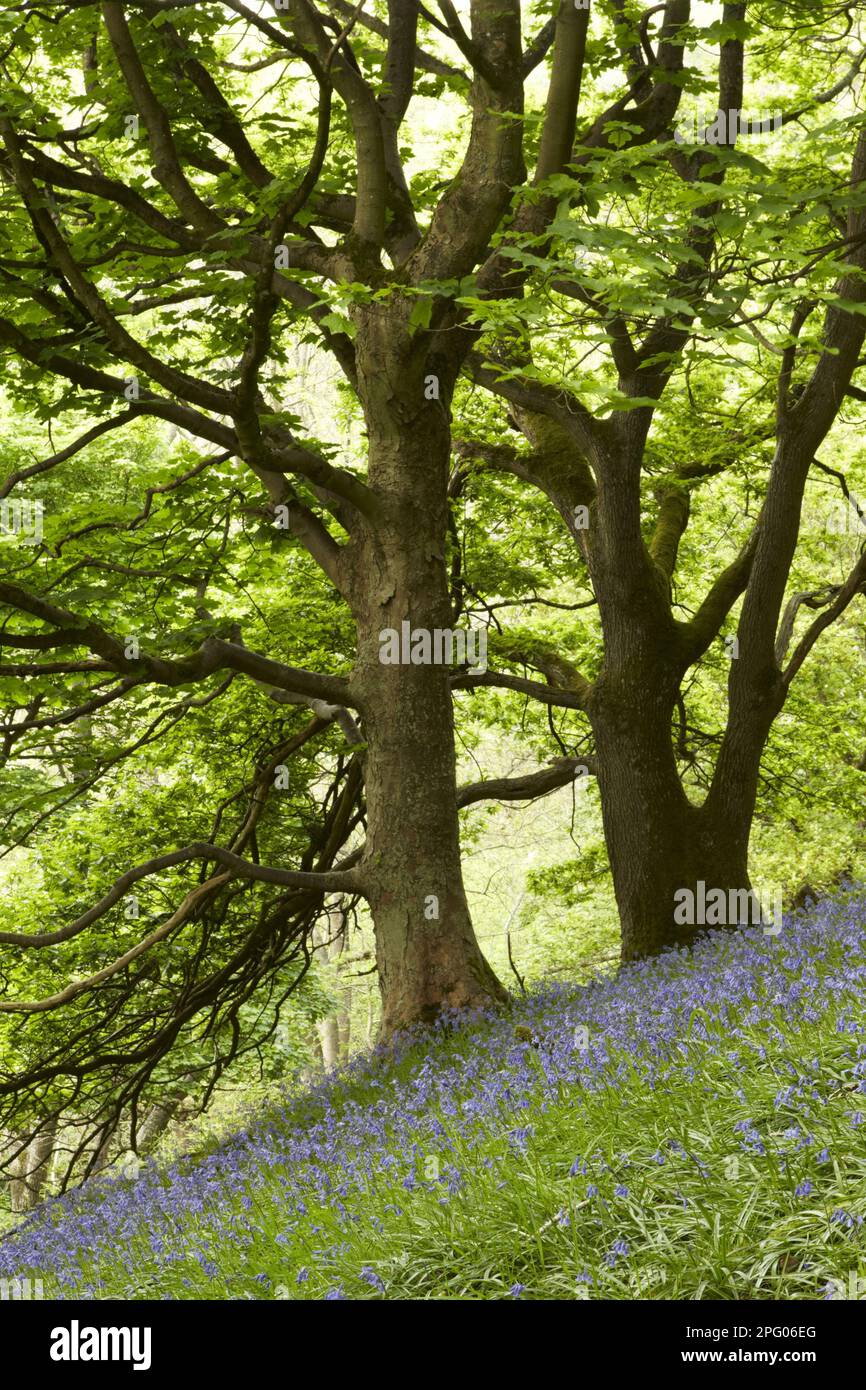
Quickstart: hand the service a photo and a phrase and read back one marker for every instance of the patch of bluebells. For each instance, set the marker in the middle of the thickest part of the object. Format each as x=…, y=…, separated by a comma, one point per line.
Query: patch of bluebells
x=327, y=1149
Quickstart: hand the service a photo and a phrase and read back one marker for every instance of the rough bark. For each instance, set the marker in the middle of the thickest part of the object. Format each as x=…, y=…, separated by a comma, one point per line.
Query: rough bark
x=427, y=955
x=658, y=841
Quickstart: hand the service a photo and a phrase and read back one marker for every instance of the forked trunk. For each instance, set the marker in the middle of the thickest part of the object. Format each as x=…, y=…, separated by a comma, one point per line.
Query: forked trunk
x=677, y=868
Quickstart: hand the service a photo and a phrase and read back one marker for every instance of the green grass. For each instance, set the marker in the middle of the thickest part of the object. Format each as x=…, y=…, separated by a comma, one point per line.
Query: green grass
x=707, y=1145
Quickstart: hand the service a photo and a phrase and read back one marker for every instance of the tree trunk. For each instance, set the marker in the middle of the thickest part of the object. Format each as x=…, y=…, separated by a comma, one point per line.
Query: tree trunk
x=39, y=1165
x=33, y=1168
x=18, y=1183
x=344, y=1021
x=329, y=1037
x=427, y=955
x=334, y=1028
x=156, y=1122
x=426, y=951
x=662, y=847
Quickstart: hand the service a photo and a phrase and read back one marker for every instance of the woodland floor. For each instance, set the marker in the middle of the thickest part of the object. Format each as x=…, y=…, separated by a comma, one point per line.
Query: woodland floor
x=690, y=1129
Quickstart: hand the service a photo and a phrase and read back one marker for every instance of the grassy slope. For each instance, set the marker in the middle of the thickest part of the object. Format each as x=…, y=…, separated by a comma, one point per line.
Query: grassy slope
x=706, y=1142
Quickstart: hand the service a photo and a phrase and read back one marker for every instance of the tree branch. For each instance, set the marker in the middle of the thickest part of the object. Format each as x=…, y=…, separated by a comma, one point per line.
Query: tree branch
x=558, y=774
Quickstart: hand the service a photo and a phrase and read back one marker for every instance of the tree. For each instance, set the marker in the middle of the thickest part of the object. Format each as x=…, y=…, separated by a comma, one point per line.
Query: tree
x=218, y=230
x=620, y=478
x=167, y=200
